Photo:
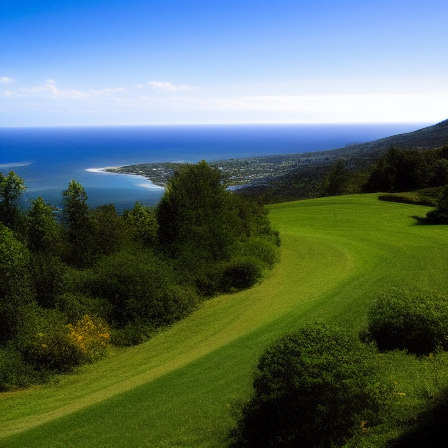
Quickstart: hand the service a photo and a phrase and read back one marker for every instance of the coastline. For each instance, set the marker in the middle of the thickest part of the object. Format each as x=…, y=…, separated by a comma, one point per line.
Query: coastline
x=114, y=170
x=101, y=170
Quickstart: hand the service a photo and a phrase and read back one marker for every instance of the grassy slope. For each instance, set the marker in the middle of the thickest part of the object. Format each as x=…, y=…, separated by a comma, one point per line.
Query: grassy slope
x=177, y=390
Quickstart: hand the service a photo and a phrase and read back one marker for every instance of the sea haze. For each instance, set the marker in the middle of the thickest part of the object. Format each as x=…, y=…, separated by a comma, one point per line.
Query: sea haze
x=48, y=158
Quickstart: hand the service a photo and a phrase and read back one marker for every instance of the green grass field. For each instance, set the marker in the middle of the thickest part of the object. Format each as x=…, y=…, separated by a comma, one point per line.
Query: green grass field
x=179, y=389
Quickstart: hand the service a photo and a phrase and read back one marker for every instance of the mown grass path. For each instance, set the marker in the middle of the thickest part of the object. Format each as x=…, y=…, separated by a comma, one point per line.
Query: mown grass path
x=178, y=389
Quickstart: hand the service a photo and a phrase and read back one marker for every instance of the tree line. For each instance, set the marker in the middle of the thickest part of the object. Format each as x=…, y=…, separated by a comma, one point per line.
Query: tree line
x=75, y=280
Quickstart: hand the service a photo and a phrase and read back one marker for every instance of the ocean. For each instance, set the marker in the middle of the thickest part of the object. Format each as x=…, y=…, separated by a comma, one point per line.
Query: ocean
x=47, y=158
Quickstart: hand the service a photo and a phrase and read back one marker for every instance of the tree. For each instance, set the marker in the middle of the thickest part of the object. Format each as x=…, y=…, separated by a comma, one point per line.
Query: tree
x=336, y=179
x=142, y=222
x=440, y=214
x=195, y=214
x=76, y=219
x=43, y=233
x=108, y=230
x=15, y=285
x=11, y=189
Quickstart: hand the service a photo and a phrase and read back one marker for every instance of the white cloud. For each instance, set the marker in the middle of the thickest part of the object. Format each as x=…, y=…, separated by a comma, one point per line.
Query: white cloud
x=102, y=92
x=51, y=81
x=169, y=86
x=361, y=108
x=50, y=88
x=6, y=80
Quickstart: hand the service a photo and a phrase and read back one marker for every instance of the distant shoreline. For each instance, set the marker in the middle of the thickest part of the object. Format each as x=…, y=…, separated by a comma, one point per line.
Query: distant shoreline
x=101, y=170
x=114, y=170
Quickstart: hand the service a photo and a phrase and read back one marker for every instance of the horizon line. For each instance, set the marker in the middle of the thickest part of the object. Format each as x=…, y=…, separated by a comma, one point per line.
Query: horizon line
x=220, y=124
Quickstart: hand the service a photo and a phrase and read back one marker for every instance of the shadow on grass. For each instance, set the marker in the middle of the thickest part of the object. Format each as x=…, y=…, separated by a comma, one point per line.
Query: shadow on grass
x=428, y=222
x=430, y=429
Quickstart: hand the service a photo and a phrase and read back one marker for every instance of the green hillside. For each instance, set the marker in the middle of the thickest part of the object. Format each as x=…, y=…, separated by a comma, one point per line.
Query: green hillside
x=179, y=389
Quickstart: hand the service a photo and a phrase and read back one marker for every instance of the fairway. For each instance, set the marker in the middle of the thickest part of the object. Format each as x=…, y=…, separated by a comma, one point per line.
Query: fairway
x=178, y=389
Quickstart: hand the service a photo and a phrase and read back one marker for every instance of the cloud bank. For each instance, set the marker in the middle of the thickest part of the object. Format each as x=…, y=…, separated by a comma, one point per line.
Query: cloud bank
x=161, y=103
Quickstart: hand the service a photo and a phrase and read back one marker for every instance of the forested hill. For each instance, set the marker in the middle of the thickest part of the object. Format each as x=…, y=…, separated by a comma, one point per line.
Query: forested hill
x=429, y=137
x=420, y=157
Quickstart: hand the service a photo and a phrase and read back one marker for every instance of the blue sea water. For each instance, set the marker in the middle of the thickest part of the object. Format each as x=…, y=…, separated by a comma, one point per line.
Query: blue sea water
x=48, y=158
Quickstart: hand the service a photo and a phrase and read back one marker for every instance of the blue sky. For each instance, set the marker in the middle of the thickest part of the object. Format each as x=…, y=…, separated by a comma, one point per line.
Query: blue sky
x=126, y=62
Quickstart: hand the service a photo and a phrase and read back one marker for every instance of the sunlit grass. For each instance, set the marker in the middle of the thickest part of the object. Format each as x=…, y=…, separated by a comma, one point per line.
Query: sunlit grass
x=178, y=389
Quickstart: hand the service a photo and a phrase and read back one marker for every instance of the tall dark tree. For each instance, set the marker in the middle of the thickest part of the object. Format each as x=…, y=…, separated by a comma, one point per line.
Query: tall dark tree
x=78, y=225
x=11, y=189
x=336, y=179
x=108, y=230
x=44, y=238
x=195, y=214
x=44, y=233
x=142, y=224
x=15, y=284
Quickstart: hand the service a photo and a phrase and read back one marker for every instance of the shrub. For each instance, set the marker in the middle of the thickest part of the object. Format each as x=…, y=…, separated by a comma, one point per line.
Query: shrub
x=314, y=387
x=132, y=334
x=15, y=373
x=409, y=320
x=138, y=289
x=47, y=343
x=90, y=336
x=241, y=273
x=44, y=341
x=440, y=214
x=75, y=305
x=406, y=198
x=262, y=249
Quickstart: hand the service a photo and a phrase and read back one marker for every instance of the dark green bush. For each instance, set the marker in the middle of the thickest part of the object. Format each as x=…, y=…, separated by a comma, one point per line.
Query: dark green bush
x=312, y=388
x=437, y=217
x=260, y=248
x=15, y=373
x=44, y=341
x=47, y=273
x=75, y=305
x=409, y=320
x=440, y=214
x=241, y=273
x=405, y=198
x=132, y=334
x=138, y=288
